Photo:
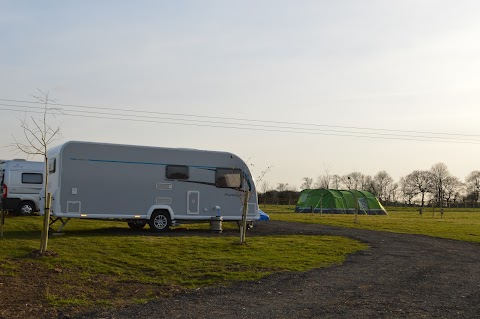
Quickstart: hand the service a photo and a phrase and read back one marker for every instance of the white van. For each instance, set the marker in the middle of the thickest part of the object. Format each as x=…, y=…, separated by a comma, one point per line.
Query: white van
x=21, y=184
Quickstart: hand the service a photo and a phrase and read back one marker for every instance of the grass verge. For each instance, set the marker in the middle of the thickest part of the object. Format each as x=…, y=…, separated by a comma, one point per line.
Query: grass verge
x=101, y=263
x=456, y=223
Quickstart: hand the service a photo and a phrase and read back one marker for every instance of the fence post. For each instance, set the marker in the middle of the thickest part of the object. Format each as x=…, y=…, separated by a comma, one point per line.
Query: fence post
x=2, y=221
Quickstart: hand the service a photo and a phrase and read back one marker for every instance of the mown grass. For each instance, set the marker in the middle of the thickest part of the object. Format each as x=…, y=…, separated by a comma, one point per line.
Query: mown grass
x=94, y=255
x=456, y=223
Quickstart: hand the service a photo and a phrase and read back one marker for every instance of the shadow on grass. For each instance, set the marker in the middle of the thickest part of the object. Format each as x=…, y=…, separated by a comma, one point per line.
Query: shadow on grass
x=29, y=228
x=118, y=232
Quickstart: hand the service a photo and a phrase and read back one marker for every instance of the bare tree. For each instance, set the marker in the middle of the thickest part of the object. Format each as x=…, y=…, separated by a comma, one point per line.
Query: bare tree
x=262, y=174
x=381, y=182
x=354, y=180
x=439, y=174
x=291, y=188
x=320, y=183
x=307, y=183
x=337, y=181
x=473, y=184
x=38, y=134
x=421, y=182
x=368, y=184
x=451, y=189
x=392, y=192
x=407, y=190
x=281, y=187
x=323, y=181
x=264, y=187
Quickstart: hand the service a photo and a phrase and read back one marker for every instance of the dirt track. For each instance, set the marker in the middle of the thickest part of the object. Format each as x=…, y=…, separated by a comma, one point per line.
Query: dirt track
x=401, y=276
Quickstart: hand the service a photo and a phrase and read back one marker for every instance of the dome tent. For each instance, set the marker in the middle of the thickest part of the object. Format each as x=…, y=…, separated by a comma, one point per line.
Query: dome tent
x=332, y=201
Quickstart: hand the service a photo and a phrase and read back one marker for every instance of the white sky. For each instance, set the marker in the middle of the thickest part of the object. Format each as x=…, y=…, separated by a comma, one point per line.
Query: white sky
x=398, y=65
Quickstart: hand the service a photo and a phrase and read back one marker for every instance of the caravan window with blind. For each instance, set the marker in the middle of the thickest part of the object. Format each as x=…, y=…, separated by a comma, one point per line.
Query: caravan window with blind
x=176, y=172
x=228, y=178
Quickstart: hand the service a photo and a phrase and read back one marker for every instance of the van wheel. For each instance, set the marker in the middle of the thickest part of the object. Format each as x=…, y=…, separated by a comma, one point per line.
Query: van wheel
x=137, y=225
x=26, y=208
x=160, y=221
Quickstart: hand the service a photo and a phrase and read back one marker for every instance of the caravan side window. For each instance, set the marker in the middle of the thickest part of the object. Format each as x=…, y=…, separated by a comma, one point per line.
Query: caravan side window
x=176, y=172
x=228, y=178
x=32, y=178
x=51, y=165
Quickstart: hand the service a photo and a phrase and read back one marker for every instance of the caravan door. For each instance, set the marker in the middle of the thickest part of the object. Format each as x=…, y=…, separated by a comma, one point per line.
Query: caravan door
x=193, y=202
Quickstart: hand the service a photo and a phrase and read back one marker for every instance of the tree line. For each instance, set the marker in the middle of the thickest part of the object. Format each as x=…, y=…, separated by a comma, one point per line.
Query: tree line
x=421, y=187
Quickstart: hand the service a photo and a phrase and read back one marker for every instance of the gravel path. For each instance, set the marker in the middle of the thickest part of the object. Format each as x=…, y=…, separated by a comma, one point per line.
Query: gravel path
x=400, y=276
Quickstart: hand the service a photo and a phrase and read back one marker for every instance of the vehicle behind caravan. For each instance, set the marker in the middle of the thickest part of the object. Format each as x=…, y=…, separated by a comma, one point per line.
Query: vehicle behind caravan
x=21, y=183
x=2, y=168
x=154, y=185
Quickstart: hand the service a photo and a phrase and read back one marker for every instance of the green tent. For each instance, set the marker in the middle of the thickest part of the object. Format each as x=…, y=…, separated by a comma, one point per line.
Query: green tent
x=333, y=201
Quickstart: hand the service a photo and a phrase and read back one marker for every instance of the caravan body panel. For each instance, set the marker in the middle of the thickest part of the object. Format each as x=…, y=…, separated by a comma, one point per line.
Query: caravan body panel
x=96, y=180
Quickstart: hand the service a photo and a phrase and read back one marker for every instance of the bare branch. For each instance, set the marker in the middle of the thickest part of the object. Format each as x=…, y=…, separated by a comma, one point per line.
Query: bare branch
x=40, y=133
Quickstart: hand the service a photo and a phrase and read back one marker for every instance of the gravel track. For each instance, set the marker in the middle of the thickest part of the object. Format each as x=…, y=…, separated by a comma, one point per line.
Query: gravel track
x=400, y=276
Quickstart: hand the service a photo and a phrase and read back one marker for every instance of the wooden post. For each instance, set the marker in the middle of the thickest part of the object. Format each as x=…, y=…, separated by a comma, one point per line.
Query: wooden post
x=356, y=213
x=2, y=221
x=243, y=226
x=46, y=220
x=356, y=207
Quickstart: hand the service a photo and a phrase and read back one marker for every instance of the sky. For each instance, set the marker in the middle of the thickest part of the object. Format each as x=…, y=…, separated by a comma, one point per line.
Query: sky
x=297, y=88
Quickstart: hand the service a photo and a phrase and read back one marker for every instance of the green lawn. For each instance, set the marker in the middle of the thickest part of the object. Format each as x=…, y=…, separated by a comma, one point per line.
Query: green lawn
x=106, y=263
x=94, y=256
x=459, y=224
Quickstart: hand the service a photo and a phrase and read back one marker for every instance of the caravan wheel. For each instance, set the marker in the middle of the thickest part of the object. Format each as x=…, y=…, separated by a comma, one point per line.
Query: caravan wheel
x=26, y=208
x=160, y=221
x=137, y=224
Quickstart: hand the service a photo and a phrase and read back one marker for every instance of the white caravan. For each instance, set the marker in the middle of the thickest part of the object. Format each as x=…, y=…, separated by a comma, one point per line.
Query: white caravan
x=21, y=183
x=154, y=185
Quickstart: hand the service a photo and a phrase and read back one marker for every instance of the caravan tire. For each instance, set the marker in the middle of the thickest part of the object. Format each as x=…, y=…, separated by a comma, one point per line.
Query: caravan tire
x=137, y=225
x=160, y=221
x=25, y=208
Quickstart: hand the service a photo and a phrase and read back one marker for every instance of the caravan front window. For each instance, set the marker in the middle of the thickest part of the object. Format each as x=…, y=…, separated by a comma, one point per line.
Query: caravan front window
x=228, y=178
x=32, y=178
x=176, y=172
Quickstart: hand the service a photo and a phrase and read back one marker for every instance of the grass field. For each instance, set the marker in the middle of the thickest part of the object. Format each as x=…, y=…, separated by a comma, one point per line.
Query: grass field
x=459, y=224
x=103, y=262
